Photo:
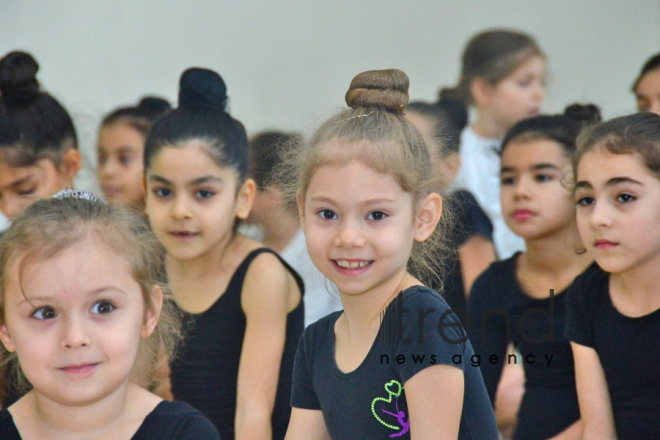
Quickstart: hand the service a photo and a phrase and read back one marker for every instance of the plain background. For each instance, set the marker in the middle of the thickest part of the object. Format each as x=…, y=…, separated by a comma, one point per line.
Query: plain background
x=287, y=64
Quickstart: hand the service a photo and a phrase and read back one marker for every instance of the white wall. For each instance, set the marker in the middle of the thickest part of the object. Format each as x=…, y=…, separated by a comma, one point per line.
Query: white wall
x=288, y=63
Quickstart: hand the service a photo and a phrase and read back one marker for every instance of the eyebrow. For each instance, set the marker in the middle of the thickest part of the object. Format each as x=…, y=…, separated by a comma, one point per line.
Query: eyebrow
x=537, y=167
x=20, y=181
x=198, y=181
x=122, y=149
x=611, y=182
x=366, y=202
x=97, y=291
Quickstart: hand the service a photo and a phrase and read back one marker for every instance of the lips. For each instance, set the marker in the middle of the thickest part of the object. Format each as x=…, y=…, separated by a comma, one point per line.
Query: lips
x=80, y=370
x=110, y=191
x=522, y=215
x=604, y=244
x=352, y=267
x=183, y=235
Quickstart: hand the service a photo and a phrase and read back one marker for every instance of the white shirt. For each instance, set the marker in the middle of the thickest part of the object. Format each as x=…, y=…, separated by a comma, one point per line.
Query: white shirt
x=4, y=222
x=321, y=296
x=480, y=174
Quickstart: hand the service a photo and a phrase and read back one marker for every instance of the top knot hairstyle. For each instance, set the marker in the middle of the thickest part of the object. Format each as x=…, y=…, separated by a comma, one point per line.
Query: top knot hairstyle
x=563, y=129
x=202, y=116
x=386, y=89
x=375, y=132
x=33, y=125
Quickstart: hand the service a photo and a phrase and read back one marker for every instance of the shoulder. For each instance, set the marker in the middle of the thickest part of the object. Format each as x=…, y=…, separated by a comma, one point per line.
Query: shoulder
x=498, y=276
x=320, y=332
x=180, y=421
x=8, y=429
x=268, y=277
x=592, y=284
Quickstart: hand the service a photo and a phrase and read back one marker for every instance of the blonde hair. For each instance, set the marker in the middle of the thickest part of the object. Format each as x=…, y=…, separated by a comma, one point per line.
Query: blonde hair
x=51, y=226
x=375, y=132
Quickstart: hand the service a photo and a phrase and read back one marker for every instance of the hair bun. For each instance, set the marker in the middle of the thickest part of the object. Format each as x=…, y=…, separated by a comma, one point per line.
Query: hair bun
x=18, y=77
x=150, y=106
x=202, y=89
x=584, y=114
x=386, y=89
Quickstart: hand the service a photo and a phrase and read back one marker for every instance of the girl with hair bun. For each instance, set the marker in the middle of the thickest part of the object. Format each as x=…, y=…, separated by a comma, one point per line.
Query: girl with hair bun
x=38, y=145
x=503, y=77
x=384, y=367
x=120, y=148
x=647, y=86
x=530, y=287
x=243, y=303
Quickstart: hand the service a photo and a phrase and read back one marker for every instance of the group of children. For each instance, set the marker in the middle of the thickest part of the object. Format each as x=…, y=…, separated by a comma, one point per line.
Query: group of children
x=413, y=276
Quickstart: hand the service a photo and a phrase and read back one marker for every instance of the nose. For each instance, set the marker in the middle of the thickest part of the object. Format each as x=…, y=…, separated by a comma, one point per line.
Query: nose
x=600, y=216
x=522, y=188
x=107, y=169
x=12, y=207
x=180, y=208
x=74, y=334
x=350, y=235
x=539, y=92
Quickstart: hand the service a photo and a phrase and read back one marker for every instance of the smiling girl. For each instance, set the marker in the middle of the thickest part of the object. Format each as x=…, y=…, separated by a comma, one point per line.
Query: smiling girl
x=242, y=301
x=368, y=207
x=72, y=330
x=613, y=309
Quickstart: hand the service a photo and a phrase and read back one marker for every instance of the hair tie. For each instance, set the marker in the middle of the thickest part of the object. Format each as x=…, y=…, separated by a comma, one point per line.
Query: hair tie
x=77, y=194
x=355, y=117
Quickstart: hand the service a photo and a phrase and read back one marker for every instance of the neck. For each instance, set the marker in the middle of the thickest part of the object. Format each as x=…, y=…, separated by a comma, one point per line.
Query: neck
x=362, y=312
x=556, y=253
x=204, y=266
x=84, y=421
x=280, y=229
x=641, y=281
x=486, y=127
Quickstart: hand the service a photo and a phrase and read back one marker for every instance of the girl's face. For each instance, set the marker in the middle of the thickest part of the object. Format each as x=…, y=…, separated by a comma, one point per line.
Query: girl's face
x=192, y=203
x=22, y=186
x=120, y=165
x=359, y=227
x=535, y=204
x=518, y=96
x=74, y=324
x=618, y=210
x=648, y=92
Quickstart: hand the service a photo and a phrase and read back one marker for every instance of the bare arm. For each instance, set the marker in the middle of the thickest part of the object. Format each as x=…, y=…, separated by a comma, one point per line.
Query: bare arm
x=593, y=395
x=475, y=256
x=307, y=424
x=267, y=292
x=435, y=402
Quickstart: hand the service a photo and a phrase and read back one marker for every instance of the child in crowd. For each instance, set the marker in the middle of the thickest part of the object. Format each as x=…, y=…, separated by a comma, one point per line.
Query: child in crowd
x=280, y=223
x=369, y=210
x=521, y=299
x=243, y=302
x=647, y=86
x=440, y=125
x=38, y=146
x=72, y=330
x=502, y=76
x=120, y=150
x=613, y=309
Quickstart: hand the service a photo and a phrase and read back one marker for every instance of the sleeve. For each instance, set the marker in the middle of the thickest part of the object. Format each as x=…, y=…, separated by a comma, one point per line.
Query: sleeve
x=431, y=334
x=470, y=219
x=577, y=327
x=303, y=394
x=489, y=334
x=197, y=427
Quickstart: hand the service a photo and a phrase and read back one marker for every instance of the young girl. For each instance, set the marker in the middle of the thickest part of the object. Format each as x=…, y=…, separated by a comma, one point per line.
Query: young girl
x=120, y=166
x=502, y=76
x=38, y=147
x=647, y=86
x=244, y=303
x=613, y=309
x=72, y=330
x=512, y=300
x=368, y=208
x=280, y=223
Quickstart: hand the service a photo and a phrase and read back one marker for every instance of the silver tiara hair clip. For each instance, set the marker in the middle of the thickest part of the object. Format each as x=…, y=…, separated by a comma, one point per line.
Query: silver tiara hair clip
x=354, y=117
x=77, y=194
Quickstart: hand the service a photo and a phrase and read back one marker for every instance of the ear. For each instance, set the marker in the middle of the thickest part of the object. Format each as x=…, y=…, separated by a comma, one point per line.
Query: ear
x=301, y=209
x=450, y=166
x=71, y=164
x=428, y=217
x=481, y=91
x=6, y=339
x=245, y=199
x=152, y=314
